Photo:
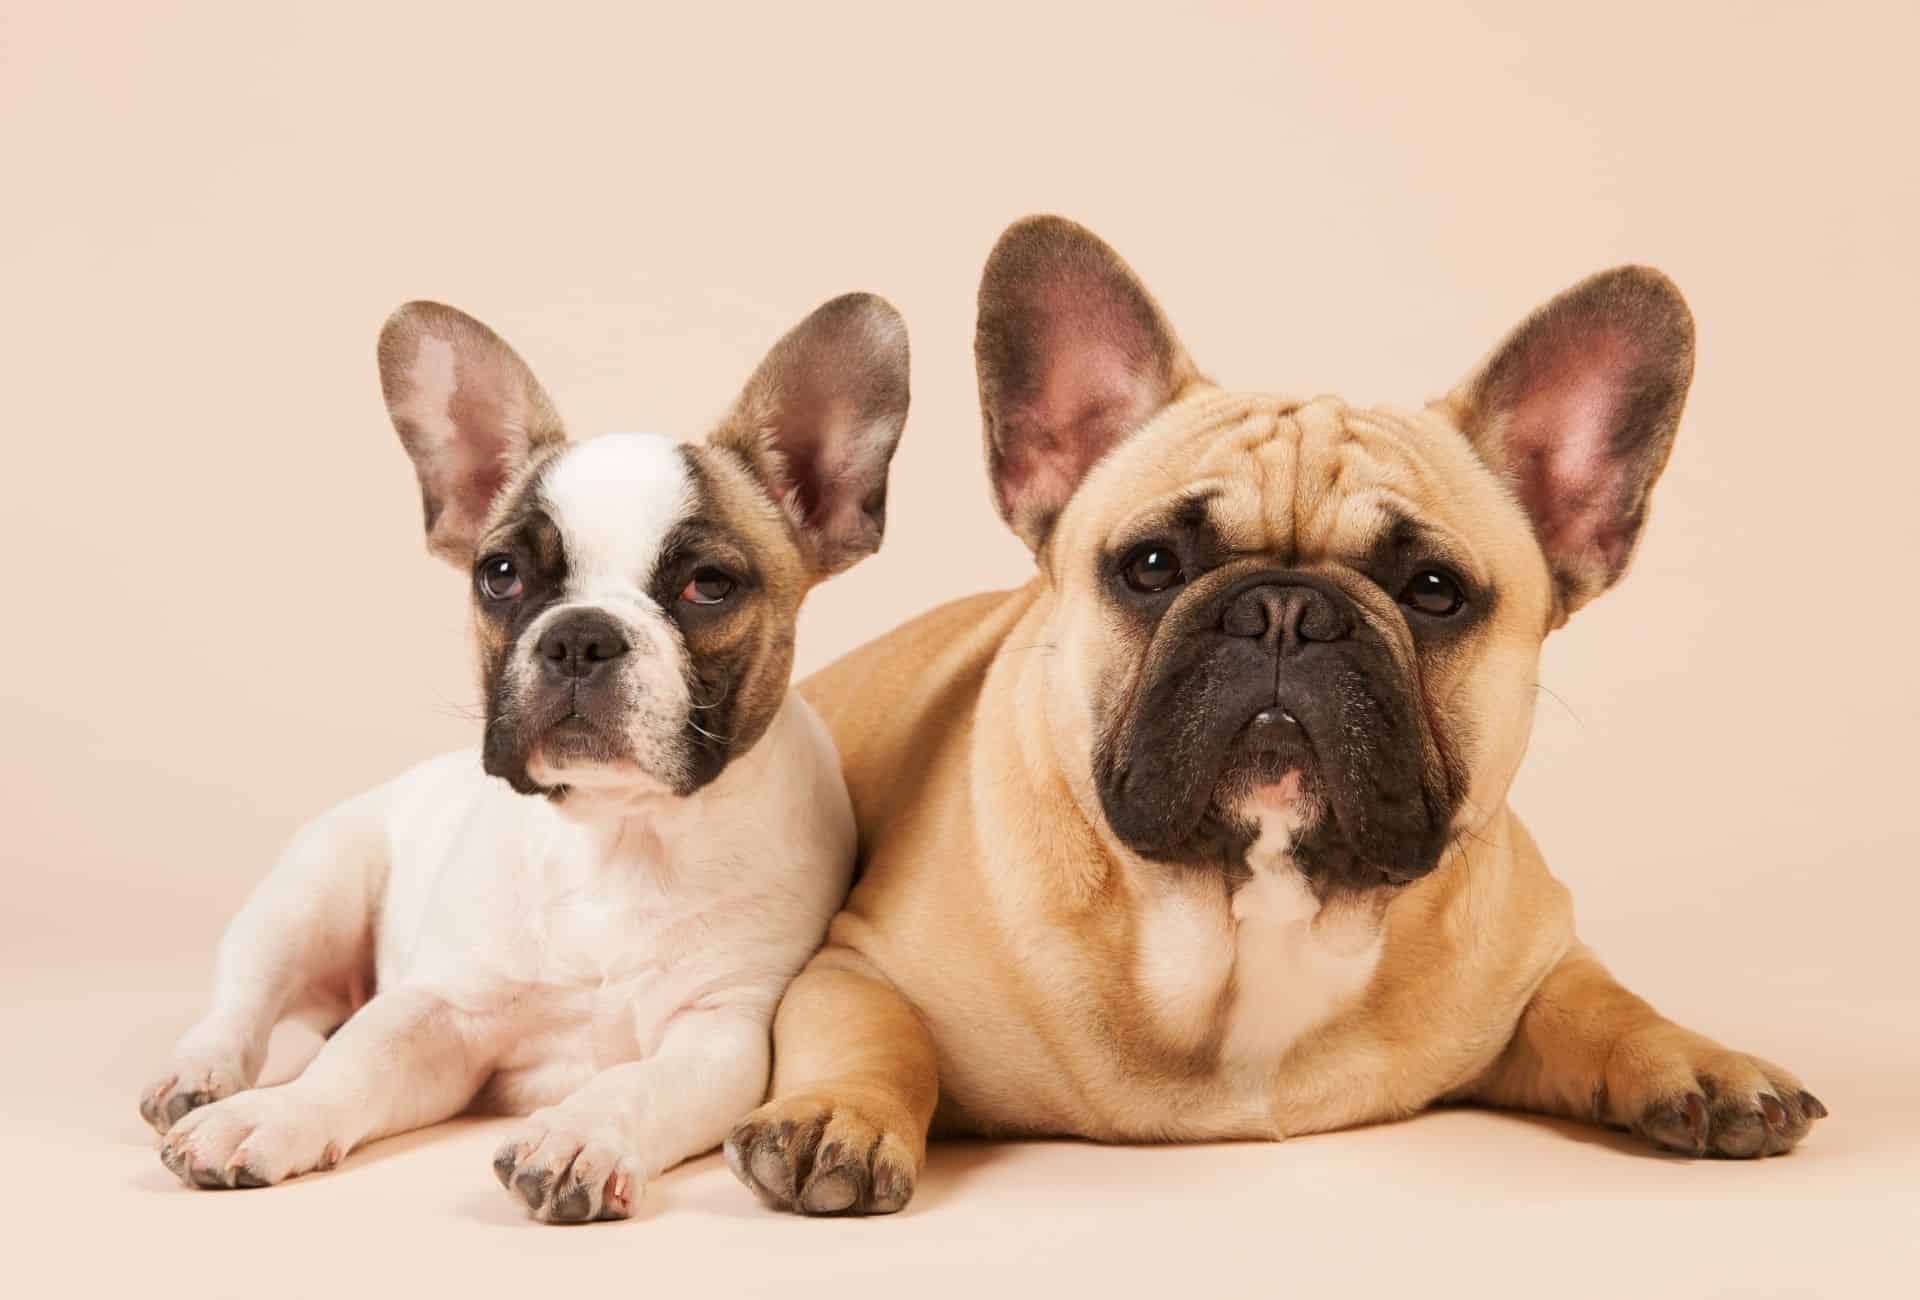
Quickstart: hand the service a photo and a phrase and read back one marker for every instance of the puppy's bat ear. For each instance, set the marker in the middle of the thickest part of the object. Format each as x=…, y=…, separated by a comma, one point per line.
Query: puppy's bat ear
x=1578, y=409
x=469, y=413
x=818, y=422
x=1073, y=355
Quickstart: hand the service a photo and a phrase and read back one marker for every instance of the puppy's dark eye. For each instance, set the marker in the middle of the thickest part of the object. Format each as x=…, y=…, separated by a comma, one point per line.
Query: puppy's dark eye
x=1152, y=569
x=1432, y=592
x=499, y=578
x=707, y=587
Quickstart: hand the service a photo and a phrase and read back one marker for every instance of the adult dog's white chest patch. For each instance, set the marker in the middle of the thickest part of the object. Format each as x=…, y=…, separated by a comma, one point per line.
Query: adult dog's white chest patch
x=1269, y=957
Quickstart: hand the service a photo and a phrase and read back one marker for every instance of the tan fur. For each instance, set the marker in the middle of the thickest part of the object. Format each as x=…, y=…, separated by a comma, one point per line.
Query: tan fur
x=759, y=634
x=991, y=955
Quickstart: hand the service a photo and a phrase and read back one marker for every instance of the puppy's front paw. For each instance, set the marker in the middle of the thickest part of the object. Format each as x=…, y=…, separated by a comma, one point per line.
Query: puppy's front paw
x=188, y=1085
x=821, y=1156
x=567, y=1172
x=251, y=1139
x=1686, y=1093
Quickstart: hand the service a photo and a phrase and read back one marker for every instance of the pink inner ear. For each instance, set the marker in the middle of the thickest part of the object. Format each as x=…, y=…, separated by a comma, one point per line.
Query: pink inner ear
x=1559, y=441
x=1088, y=398
x=1093, y=389
x=470, y=439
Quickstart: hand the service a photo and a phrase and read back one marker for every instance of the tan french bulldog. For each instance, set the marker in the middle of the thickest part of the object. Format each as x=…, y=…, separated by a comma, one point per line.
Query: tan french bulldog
x=1203, y=832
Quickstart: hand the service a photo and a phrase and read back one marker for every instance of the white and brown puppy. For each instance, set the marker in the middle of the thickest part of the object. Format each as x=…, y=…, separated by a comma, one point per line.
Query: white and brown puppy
x=592, y=917
x=1204, y=832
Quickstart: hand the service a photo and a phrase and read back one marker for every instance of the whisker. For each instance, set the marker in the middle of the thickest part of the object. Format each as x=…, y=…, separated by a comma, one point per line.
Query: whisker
x=1578, y=720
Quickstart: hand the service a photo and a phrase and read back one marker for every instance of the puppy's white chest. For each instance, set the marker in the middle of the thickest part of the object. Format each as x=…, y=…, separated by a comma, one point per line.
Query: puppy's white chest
x=1263, y=967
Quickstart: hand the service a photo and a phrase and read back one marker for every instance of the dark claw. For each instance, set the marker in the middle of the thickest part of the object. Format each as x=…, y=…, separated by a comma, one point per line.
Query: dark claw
x=531, y=1183
x=573, y=1203
x=1815, y=1107
x=892, y=1188
x=182, y=1102
x=1771, y=1109
x=1695, y=1109
x=245, y=1177
x=504, y=1161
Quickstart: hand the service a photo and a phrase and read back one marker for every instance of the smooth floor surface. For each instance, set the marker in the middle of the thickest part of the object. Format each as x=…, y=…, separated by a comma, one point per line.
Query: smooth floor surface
x=1453, y=1202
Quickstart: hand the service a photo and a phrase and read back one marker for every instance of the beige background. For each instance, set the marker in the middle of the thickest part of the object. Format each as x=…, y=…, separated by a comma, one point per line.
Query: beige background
x=219, y=616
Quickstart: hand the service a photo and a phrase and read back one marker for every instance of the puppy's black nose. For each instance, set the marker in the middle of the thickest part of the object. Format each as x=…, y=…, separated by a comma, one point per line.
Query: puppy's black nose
x=1286, y=614
x=579, y=645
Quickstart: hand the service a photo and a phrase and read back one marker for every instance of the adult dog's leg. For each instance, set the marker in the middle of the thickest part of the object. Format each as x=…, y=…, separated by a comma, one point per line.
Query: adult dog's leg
x=301, y=943
x=854, y=1086
x=1588, y=1049
x=589, y=1156
x=407, y=1059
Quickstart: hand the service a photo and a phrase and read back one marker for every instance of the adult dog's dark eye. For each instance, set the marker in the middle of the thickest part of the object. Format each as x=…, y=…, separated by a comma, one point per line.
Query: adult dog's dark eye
x=1152, y=569
x=707, y=587
x=1432, y=592
x=499, y=578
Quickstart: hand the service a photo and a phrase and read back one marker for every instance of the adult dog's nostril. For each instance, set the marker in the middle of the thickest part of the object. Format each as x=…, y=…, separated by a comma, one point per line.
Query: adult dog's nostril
x=579, y=644
x=1285, y=613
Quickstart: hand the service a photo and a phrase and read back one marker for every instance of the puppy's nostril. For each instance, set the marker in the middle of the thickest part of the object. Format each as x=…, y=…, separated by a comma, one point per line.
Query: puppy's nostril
x=580, y=644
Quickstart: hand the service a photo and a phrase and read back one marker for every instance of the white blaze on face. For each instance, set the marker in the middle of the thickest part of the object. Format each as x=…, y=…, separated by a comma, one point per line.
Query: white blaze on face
x=615, y=500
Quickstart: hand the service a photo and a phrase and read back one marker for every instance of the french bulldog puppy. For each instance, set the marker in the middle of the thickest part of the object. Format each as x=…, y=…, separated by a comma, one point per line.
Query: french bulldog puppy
x=1204, y=832
x=592, y=916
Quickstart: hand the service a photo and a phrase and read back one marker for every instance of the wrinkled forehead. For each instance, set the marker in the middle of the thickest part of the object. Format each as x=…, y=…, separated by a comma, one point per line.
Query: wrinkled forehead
x=1304, y=480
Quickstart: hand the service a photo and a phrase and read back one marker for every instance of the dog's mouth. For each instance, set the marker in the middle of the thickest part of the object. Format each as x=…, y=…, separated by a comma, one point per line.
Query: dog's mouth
x=552, y=739
x=1284, y=752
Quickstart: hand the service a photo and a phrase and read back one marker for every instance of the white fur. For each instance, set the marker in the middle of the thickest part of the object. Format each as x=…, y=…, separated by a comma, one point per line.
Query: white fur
x=615, y=499
x=1290, y=963
x=610, y=963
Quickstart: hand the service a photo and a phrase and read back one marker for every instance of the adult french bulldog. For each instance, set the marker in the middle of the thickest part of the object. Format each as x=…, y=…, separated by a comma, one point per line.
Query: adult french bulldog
x=1203, y=833
x=593, y=916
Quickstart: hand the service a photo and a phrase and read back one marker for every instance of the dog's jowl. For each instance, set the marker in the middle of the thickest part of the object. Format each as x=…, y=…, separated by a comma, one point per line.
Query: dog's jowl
x=589, y=919
x=1204, y=832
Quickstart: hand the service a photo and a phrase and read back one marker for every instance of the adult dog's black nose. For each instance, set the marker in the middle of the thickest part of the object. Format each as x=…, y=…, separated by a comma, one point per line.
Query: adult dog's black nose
x=1286, y=614
x=579, y=645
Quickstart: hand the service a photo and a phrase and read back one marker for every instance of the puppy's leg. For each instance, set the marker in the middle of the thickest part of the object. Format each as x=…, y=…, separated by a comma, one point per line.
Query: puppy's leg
x=855, y=1080
x=407, y=1059
x=302, y=939
x=1588, y=1049
x=590, y=1156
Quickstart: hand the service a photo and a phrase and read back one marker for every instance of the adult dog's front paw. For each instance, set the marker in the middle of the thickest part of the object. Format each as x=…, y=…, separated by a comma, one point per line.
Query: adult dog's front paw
x=567, y=1172
x=818, y=1155
x=1686, y=1093
x=186, y=1085
x=251, y=1139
